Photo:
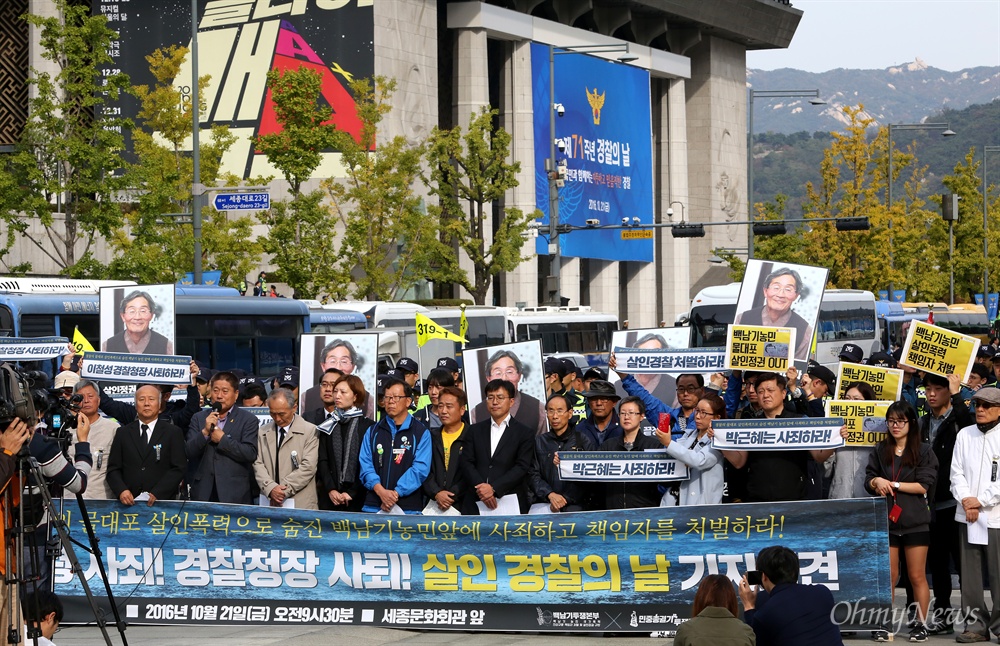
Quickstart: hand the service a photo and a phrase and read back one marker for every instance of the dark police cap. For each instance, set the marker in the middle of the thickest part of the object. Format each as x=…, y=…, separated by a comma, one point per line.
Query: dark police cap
x=555, y=366
x=407, y=365
x=882, y=360
x=852, y=353
x=825, y=375
x=448, y=364
x=601, y=389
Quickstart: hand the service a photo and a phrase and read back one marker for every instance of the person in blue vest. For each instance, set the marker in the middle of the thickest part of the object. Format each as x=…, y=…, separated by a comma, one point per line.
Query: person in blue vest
x=395, y=455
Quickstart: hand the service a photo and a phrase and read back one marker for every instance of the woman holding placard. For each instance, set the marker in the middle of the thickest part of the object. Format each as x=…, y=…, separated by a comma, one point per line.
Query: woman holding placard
x=904, y=470
x=694, y=449
x=849, y=462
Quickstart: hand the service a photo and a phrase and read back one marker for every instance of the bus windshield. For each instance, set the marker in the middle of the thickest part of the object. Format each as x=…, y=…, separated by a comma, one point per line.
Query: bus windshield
x=710, y=324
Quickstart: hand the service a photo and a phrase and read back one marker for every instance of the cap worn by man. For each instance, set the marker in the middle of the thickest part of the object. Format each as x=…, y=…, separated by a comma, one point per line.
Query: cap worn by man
x=572, y=368
x=852, y=353
x=601, y=389
x=986, y=352
x=66, y=379
x=595, y=373
x=555, y=366
x=448, y=364
x=882, y=360
x=825, y=375
x=408, y=365
x=289, y=376
x=988, y=395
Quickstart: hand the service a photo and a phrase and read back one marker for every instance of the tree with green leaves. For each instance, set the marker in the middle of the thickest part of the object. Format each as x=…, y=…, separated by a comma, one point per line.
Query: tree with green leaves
x=154, y=247
x=969, y=262
x=300, y=237
x=468, y=175
x=60, y=176
x=390, y=239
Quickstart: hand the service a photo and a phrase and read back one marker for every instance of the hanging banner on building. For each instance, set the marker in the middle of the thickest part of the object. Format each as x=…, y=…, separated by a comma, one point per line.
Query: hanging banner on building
x=865, y=420
x=604, y=138
x=202, y=563
x=754, y=347
x=886, y=382
x=239, y=42
x=801, y=434
x=940, y=351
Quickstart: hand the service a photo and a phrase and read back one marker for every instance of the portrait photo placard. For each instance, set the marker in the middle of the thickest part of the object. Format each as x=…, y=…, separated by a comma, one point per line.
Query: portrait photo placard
x=138, y=319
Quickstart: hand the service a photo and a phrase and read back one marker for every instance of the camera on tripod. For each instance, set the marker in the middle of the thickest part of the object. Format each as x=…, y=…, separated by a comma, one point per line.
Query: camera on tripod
x=23, y=395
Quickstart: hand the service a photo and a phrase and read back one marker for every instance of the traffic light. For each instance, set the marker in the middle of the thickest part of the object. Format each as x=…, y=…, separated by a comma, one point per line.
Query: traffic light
x=949, y=207
x=853, y=224
x=687, y=231
x=771, y=228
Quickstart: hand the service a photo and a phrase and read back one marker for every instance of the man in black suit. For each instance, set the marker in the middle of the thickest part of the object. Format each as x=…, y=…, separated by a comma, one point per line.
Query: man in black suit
x=147, y=454
x=500, y=453
x=318, y=415
x=222, y=447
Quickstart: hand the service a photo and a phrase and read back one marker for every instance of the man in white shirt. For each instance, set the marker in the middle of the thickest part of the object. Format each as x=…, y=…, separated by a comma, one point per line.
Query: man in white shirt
x=102, y=433
x=975, y=483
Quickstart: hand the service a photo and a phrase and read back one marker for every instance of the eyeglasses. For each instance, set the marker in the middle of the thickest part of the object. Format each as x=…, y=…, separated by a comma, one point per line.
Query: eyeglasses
x=896, y=422
x=688, y=389
x=628, y=413
x=985, y=405
x=496, y=398
x=395, y=398
x=787, y=290
x=706, y=413
x=140, y=311
x=509, y=373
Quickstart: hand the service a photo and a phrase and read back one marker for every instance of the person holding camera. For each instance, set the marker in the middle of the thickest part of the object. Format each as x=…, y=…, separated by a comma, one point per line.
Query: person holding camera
x=786, y=613
x=904, y=469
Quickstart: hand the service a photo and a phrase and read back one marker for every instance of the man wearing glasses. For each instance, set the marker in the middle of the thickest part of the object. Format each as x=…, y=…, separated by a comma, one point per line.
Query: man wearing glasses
x=975, y=483
x=395, y=456
x=690, y=389
x=500, y=455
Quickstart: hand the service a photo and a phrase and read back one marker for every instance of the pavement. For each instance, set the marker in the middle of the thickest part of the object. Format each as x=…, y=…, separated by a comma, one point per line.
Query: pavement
x=337, y=635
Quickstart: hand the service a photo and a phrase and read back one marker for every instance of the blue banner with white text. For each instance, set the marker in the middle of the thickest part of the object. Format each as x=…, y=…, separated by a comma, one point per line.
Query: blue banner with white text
x=605, y=140
x=625, y=570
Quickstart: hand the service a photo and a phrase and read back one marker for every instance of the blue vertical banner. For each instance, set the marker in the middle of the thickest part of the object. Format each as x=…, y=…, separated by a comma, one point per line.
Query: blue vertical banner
x=899, y=295
x=991, y=303
x=606, y=138
x=883, y=294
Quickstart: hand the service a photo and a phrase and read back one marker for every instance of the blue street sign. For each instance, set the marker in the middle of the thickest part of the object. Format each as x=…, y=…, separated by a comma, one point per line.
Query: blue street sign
x=242, y=201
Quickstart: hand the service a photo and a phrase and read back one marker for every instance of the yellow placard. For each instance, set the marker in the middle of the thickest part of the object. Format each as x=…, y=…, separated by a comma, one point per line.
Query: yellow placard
x=463, y=325
x=80, y=343
x=940, y=351
x=637, y=234
x=428, y=329
x=756, y=347
x=886, y=382
x=865, y=420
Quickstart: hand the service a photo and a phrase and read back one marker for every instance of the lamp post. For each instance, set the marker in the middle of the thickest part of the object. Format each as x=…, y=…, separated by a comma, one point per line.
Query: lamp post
x=813, y=96
x=986, y=234
x=553, y=286
x=948, y=132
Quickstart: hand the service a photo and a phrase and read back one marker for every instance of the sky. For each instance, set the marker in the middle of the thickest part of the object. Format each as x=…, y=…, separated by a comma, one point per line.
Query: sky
x=876, y=34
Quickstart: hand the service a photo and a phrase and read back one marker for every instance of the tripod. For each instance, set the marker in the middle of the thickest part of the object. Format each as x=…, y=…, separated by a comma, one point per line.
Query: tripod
x=16, y=529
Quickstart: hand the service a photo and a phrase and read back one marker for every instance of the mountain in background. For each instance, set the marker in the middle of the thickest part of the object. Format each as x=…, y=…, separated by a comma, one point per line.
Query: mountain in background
x=783, y=163
x=907, y=93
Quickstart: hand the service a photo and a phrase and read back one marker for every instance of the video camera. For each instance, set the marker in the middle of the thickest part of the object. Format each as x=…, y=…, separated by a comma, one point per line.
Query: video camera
x=23, y=394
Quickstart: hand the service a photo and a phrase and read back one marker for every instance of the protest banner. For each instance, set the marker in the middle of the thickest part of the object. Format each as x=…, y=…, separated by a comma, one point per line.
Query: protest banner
x=33, y=349
x=636, y=570
x=865, y=420
x=801, y=434
x=661, y=385
x=886, y=382
x=617, y=466
x=138, y=319
x=666, y=361
x=940, y=351
x=137, y=368
x=754, y=347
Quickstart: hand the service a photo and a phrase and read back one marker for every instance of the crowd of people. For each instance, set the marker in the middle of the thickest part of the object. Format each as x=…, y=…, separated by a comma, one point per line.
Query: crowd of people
x=422, y=455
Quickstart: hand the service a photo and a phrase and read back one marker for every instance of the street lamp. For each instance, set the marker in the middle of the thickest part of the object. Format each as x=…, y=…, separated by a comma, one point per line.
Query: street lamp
x=986, y=236
x=553, y=285
x=813, y=96
x=948, y=132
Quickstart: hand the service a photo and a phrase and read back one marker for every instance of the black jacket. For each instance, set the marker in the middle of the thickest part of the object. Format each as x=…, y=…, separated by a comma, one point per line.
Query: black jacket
x=138, y=466
x=774, y=476
x=944, y=446
x=631, y=495
x=506, y=470
x=544, y=478
x=330, y=463
x=916, y=512
x=451, y=478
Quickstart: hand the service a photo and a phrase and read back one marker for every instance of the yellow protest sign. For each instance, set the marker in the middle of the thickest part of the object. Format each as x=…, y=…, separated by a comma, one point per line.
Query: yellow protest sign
x=80, y=343
x=865, y=420
x=428, y=329
x=940, y=351
x=755, y=347
x=886, y=382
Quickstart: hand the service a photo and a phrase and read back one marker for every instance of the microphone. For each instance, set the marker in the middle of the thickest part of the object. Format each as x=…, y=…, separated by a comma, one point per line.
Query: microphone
x=217, y=408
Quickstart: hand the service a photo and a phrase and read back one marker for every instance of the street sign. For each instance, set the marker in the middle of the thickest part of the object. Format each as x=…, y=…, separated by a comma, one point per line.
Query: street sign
x=242, y=201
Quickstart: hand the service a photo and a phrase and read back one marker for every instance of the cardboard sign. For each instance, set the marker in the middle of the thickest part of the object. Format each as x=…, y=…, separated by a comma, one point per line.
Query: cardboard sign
x=886, y=382
x=940, y=351
x=802, y=434
x=755, y=347
x=865, y=420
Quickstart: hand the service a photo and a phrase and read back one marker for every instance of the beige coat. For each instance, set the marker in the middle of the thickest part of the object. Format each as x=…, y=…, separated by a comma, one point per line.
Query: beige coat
x=302, y=439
